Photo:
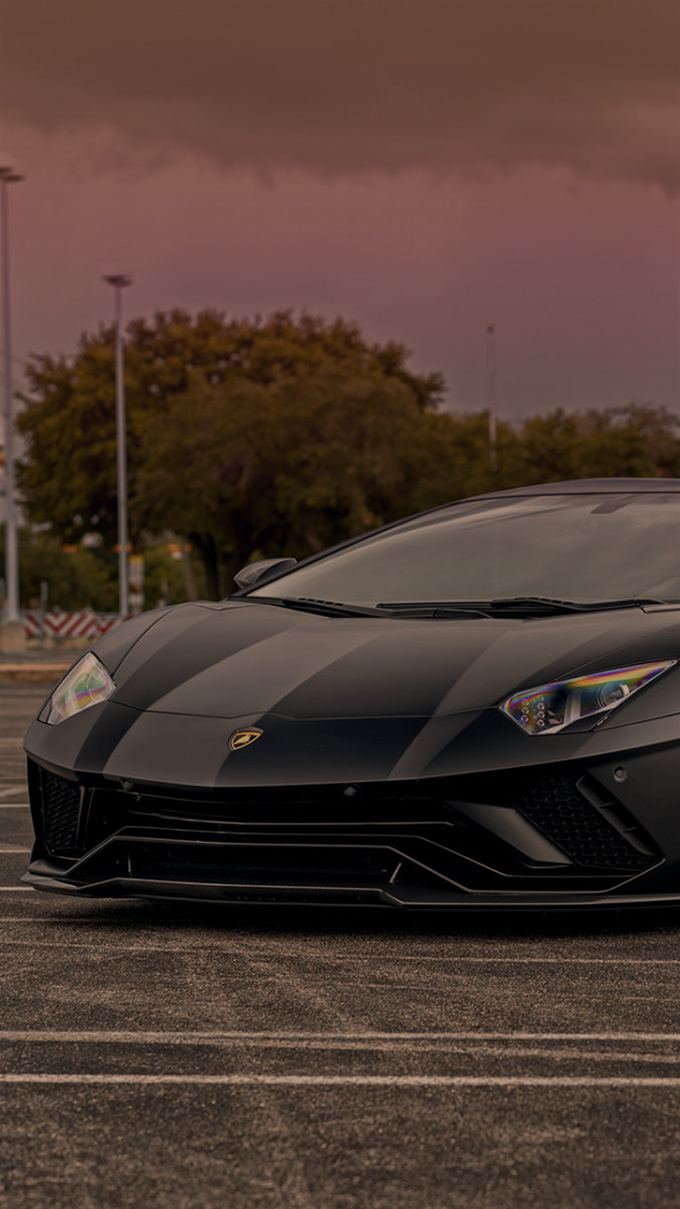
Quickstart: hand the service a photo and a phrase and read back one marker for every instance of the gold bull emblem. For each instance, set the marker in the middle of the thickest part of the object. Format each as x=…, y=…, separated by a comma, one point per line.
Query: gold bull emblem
x=243, y=738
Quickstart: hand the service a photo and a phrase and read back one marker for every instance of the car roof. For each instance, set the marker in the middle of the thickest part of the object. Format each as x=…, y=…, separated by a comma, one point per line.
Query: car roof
x=589, y=487
x=629, y=486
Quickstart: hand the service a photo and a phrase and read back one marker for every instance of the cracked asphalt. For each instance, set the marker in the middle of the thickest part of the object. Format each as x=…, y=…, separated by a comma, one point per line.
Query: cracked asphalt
x=169, y=1056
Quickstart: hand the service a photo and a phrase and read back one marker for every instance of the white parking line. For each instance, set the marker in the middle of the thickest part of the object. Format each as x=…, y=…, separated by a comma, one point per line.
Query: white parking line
x=5, y=848
x=206, y=1037
x=14, y=806
x=561, y=960
x=16, y=890
x=10, y=790
x=235, y=1080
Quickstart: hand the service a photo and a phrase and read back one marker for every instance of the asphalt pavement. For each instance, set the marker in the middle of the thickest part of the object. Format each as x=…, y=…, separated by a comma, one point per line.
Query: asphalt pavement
x=167, y=1056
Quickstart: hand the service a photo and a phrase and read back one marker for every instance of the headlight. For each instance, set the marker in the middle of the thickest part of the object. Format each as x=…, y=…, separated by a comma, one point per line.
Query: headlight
x=551, y=707
x=86, y=684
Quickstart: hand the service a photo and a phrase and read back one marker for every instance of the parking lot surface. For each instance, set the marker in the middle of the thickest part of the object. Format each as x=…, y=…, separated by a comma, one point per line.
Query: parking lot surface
x=169, y=1055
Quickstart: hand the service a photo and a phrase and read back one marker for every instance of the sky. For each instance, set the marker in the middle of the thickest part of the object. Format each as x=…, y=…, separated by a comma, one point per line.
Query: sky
x=422, y=167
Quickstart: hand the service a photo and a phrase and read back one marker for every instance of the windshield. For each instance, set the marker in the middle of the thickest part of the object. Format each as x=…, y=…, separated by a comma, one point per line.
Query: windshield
x=582, y=548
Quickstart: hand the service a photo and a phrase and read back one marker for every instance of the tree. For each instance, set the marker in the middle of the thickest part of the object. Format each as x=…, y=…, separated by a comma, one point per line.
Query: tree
x=193, y=386
x=639, y=440
x=314, y=456
x=76, y=578
x=254, y=439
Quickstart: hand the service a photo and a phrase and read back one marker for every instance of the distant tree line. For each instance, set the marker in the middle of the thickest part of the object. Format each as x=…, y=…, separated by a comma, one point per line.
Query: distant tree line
x=250, y=439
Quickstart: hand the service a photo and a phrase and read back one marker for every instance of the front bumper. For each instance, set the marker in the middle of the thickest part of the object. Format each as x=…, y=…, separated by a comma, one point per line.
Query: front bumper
x=560, y=836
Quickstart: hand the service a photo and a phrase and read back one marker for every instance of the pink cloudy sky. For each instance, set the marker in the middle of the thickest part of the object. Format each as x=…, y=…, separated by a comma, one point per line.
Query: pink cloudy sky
x=419, y=166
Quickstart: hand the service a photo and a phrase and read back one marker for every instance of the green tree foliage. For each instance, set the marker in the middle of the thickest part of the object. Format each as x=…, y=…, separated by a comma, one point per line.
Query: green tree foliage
x=79, y=578
x=254, y=439
x=208, y=405
x=312, y=457
x=76, y=577
x=639, y=440
x=68, y=421
x=165, y=573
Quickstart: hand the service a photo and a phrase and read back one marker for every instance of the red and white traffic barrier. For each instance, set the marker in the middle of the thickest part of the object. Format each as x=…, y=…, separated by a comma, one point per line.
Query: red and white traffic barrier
x=61, y=625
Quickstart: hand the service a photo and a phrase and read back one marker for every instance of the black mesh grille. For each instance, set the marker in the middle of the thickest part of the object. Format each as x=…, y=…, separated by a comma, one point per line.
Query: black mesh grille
x=556, y=807
x=61, y=810
x=385, y=835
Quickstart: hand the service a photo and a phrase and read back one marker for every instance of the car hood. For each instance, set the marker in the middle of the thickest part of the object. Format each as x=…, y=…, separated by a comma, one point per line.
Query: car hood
x=347, y=700
x=242, y=659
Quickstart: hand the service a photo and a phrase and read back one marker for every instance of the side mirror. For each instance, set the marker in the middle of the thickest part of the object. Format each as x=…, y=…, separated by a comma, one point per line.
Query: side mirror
x=248, y=576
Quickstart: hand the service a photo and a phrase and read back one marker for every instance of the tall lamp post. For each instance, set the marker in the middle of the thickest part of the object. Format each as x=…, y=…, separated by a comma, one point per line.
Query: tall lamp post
x=119, y=281
x=9, y=177
x=491, y=391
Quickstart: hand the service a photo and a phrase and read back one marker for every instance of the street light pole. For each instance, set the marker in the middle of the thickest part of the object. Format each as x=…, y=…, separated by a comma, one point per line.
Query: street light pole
x=491, y=392
x=119, y=281
x=9, y=177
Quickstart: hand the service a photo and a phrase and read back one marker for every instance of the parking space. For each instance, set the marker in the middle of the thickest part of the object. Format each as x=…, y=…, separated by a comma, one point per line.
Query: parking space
x=168, y=1055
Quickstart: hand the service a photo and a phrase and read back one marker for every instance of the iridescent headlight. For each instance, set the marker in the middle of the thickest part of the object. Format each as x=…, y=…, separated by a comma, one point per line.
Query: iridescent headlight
x=87, y=683
x=551, y=707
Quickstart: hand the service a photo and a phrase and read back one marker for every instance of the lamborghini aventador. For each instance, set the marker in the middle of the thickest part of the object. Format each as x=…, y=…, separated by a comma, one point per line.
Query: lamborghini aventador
x=475, y=707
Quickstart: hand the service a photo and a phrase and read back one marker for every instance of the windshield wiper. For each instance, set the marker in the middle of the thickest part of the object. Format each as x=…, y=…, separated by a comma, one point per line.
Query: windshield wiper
x=539, y=606
x=325, y=608
x=438, y=608
x=549, y=605
x=522, y=605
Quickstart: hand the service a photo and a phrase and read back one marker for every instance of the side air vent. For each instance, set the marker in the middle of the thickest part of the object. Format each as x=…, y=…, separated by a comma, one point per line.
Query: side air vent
x=567, y=813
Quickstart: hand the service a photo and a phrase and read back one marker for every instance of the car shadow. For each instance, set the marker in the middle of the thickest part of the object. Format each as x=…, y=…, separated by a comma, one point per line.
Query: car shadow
x=284, y=919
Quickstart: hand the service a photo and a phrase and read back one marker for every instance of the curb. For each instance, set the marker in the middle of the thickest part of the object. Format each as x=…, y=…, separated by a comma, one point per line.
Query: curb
x=32, y=673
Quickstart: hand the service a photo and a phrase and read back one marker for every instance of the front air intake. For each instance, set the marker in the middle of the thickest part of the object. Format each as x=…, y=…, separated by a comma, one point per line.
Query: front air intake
x=568, y=814
x=61, y=813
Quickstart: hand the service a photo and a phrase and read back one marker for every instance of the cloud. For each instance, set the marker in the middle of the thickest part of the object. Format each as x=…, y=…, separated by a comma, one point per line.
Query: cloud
x=341, y=88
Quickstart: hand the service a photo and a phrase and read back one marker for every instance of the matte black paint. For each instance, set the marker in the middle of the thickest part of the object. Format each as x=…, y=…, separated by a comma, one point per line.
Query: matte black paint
x=358, y=703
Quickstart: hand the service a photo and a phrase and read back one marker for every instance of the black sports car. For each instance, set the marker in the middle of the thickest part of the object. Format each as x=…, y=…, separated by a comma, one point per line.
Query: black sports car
x=477, y=706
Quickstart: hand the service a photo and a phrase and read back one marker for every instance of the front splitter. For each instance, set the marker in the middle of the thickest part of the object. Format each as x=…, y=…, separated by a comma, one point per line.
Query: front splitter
x=404, y=898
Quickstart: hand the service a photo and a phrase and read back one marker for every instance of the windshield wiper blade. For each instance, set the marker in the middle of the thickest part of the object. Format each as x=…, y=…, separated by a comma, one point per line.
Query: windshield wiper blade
x=435, y=608
x=633, y=602
x=325, y=608
x=543, y=604
x=548, y=604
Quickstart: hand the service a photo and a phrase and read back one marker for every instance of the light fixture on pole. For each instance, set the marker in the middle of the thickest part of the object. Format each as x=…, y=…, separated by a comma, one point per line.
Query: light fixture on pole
x=9, y=177
x=491, y=392
x=119, y=281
